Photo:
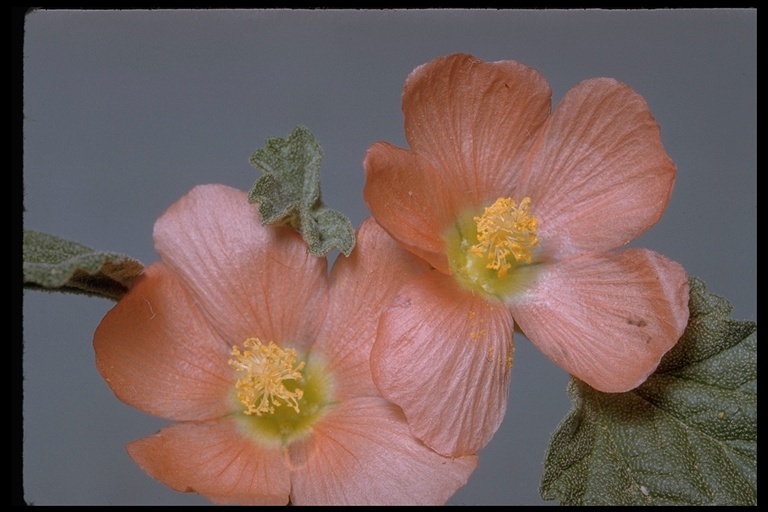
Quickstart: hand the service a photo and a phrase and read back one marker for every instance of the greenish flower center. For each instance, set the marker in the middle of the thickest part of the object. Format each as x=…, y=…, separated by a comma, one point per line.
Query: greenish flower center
x=280, y=398
x=492, y=252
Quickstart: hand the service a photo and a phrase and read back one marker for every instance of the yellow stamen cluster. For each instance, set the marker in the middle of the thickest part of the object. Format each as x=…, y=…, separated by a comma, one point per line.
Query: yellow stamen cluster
x=265, y=369
x=503, y=230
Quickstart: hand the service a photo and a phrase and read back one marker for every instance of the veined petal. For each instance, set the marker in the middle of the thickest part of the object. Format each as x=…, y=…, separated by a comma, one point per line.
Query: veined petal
x=216, y=460
x=251, y=280
x=410, y=200
x=362, y=453
x=158, y=353
x=607, y=318
x=597, y=175
x=443, y=354
x=474, y=120
x=361, y=286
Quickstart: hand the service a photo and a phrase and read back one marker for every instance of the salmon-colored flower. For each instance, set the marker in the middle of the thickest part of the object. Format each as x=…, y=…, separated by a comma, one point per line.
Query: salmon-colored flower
x=522, y=214
x=239, y=336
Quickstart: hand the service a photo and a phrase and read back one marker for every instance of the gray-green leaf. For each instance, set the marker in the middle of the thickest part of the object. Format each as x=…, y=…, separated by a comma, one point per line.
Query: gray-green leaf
x=54, y=264
x=687, y=436
x=289, y=193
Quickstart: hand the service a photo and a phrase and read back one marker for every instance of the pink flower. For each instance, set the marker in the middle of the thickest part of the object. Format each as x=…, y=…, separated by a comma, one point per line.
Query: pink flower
x=522, y=214
x=289, y=413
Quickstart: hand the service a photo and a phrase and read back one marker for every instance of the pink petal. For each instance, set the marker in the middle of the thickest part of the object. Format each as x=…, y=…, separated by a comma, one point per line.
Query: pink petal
x=363, y=454
x=597, y=175
x=411, y=200
x=607, y=318
x=252, y=281
x=158, y=353
x=474, y=120
x=361, y=286
x=443, y=355
x=217, y=460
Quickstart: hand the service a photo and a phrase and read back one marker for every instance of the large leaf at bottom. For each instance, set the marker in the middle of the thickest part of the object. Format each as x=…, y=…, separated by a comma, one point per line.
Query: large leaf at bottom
x=687, y=436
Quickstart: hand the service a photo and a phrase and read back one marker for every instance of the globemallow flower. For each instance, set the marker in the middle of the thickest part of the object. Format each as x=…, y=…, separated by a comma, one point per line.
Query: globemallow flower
x=239, y=336
x=522, y=213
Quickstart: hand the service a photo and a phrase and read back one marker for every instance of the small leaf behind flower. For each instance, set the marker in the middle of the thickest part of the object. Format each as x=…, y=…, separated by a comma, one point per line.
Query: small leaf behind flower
x=289, y=193
x=687, y=436
x=55, y=264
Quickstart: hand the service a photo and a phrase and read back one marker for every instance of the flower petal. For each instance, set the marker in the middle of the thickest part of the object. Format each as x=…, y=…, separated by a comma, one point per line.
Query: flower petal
x=443, y=355
x=410, y=200
x=251, y=280
x=216, y=460
x=597, y=175
x=474, y=120
x=607, y=318
x=362, y=453
x=158, y=353
x=361, y=286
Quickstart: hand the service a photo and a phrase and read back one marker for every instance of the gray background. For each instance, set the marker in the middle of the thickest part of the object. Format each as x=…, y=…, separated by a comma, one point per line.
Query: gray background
x=126, y=111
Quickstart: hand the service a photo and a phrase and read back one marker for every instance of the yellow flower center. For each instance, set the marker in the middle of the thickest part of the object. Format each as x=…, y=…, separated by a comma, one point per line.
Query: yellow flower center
x=493, y=251
x=503, y=230
x=265, y=369
x=280, y=396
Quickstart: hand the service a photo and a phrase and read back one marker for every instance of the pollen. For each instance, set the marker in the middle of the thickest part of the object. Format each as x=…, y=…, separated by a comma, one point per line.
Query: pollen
x=506, y=233
x=264, y=371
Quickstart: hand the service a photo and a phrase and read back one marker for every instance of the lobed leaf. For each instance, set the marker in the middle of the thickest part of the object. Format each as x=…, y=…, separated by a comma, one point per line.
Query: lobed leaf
x=289, y=193
x=687, y=436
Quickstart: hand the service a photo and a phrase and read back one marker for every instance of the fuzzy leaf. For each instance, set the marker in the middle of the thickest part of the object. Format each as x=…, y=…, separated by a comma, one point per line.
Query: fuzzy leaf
x=687, y=436
x=55, y=264
x=289, y=193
